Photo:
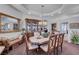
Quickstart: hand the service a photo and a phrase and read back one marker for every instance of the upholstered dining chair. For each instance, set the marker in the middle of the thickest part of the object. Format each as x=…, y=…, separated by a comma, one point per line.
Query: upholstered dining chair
x=50, y=47
x=29, y=46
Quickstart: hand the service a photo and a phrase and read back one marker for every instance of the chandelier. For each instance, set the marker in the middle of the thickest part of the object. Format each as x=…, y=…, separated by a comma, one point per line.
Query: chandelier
x=42, y=22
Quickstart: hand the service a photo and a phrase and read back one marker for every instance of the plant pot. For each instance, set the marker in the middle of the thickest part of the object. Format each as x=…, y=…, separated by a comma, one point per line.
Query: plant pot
x=75, y=42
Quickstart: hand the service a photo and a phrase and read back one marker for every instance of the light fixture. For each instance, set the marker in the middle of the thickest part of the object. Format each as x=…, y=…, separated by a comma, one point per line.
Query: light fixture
x=42, y=6
x=42, y=22
x=45, y=23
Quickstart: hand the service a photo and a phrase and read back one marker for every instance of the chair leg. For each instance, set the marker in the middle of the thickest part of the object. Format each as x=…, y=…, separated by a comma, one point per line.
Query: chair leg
x=7, y=49
x=26, y=51
x=61, y=48
x=54, y=51
x=57, y=51
x=48, y=53
x=37, y=50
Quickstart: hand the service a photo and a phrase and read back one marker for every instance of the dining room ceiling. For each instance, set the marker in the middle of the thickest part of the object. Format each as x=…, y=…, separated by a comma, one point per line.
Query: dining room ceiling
x=47, y=10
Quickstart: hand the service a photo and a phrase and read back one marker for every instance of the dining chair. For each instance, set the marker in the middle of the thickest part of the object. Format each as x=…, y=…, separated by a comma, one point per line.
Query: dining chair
x=61, y=38
x=59, y=42
x=50, y=47
x=29, y=46
x=28, y=35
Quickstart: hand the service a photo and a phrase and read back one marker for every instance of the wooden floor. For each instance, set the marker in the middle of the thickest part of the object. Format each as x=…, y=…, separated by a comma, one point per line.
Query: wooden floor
x=68, y=49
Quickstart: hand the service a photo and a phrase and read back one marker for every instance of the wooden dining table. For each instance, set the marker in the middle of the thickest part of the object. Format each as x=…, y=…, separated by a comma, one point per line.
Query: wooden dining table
x=38, y=40
x=2, y=49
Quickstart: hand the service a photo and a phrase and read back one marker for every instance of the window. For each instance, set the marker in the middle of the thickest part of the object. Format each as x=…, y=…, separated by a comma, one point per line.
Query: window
x=64, y=27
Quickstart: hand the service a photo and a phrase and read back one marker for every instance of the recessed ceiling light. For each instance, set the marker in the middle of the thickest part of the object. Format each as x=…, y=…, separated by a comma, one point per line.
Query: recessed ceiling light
x=42, y=5
x=29, y=13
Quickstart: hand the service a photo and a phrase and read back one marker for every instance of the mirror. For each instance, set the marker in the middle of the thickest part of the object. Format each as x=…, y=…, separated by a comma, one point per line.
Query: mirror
x=9, y=23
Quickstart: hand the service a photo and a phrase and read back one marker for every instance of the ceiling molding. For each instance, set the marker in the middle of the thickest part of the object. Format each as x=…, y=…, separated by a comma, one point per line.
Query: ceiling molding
x=19, y=7
x=58, y=10
x=25, y=10
x=22, y=8
x=14, y=8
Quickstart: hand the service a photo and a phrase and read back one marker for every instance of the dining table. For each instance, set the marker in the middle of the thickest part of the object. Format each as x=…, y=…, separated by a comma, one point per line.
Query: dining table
x=39, y=40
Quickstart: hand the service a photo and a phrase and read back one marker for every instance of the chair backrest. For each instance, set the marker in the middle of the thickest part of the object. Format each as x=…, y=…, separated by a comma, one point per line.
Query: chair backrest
x=27, y=35
x=52, y=42
x=26, y=41
x=30, y=34
x=61, y=37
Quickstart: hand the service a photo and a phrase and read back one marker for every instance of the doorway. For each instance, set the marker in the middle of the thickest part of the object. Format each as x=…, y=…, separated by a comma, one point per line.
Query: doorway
x=53, y=26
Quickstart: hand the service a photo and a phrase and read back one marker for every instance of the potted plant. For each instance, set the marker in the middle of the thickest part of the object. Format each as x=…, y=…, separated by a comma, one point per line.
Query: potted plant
x=75, y=38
